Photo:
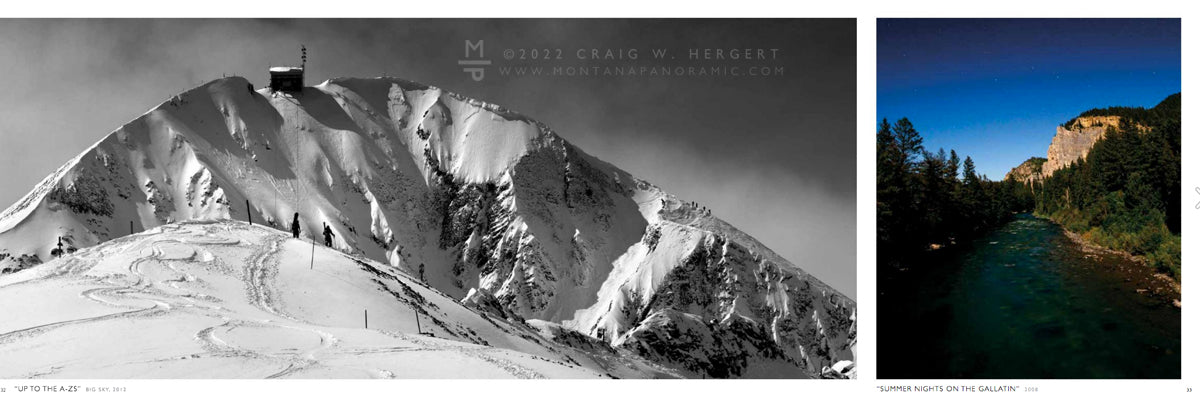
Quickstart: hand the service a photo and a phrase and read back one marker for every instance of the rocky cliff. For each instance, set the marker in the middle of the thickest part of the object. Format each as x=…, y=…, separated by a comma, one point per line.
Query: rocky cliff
x=1073, y=141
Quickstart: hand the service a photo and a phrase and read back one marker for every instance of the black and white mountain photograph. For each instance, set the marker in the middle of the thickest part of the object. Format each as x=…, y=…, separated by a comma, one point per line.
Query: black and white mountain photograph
x=428, y=199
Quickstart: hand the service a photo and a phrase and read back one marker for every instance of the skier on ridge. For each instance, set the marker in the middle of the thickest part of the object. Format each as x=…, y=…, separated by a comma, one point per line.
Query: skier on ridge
x=296, y=226
x=328, y=236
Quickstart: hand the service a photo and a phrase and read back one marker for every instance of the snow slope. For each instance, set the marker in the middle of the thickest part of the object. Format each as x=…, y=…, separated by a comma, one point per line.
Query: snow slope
x=480, y=202
x=229, y=300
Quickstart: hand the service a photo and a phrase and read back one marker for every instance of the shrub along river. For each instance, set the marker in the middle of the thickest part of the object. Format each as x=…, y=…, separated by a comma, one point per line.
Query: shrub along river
x=1025, y=301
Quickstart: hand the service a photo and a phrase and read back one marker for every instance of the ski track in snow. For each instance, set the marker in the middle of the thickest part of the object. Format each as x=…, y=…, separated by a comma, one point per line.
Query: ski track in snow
x=96, y=295
x=33, y=331
x=144, y=296
x=258, y=274
x=512, y=368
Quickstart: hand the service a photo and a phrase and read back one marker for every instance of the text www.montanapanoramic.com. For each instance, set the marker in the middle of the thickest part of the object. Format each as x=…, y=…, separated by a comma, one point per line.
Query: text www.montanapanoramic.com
x=641, y=71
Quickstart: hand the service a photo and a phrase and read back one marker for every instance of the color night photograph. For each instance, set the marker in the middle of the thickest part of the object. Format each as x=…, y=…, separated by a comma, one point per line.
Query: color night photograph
x=1029, y=196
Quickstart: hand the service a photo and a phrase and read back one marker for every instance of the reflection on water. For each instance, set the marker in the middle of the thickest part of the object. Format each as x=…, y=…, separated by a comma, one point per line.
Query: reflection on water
x=1025, y=301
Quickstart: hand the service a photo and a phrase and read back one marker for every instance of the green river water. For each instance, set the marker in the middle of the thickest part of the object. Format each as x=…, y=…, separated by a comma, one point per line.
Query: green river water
x=1025, y=301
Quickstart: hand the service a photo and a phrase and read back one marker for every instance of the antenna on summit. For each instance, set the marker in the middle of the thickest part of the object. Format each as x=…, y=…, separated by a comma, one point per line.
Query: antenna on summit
x=303, y=56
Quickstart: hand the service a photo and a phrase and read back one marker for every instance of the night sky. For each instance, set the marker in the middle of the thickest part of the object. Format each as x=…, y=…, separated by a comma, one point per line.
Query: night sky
x=995, y=89
x=772, y=155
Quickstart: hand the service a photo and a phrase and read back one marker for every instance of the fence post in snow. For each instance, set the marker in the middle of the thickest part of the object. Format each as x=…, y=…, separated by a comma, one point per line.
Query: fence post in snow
x=365, y=320
x=418, y=316
x=249, y=213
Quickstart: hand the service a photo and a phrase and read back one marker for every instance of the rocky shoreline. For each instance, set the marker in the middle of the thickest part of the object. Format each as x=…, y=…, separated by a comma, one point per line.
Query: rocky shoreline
x=1093, y=248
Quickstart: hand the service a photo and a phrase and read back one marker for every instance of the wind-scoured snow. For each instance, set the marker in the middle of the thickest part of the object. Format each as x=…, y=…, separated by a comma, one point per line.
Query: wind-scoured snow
x=481, y=203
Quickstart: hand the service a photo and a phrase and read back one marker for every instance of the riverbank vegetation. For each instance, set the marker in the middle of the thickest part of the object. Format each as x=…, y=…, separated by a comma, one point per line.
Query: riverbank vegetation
x=1125, y=195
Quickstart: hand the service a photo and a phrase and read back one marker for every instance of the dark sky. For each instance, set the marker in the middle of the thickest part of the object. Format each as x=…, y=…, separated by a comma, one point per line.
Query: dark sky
x=773, y=155
x=995, y=89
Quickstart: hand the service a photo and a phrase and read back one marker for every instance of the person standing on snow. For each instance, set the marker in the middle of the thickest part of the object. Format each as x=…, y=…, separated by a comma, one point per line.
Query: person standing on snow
x=328, y=236
x=296, y=226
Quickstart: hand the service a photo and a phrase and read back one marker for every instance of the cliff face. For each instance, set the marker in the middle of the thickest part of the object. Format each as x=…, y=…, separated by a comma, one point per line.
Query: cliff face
x=1028, y=171
x=1073, y=142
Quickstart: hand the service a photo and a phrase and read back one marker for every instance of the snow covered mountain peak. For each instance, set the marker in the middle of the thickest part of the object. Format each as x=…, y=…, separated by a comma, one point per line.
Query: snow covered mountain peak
x=479, y=202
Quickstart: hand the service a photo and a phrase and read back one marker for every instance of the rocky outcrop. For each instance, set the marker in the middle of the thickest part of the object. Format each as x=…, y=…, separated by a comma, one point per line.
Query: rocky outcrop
x=1073, y=141
x=1028, y=171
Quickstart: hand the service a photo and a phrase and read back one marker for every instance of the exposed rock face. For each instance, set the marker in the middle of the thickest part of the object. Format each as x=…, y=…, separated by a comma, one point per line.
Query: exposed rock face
x=1073, y=142
x=697, y=294
x=1028, y=171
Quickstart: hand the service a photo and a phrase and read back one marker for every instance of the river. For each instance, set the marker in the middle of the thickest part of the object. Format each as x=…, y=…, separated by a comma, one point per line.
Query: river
x=1025, y=301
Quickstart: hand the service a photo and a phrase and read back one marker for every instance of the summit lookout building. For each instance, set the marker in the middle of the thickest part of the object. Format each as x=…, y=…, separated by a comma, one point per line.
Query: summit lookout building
x=287, y=78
